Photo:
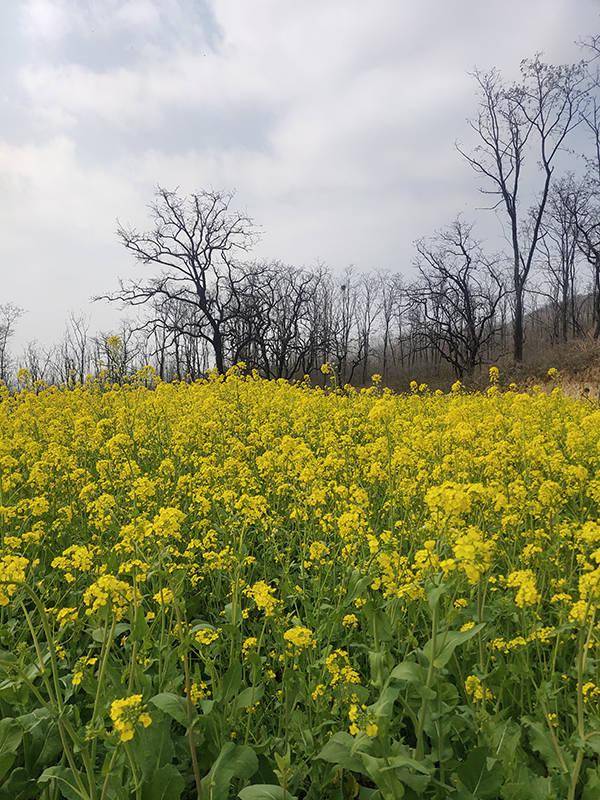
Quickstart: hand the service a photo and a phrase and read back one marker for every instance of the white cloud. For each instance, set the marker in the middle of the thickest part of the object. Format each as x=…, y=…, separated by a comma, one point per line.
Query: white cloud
x=52, y=20
x=136, y=13
x=46, y=20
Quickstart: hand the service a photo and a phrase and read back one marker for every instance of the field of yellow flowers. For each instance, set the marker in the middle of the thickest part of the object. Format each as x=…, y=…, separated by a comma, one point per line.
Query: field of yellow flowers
x=257, y=589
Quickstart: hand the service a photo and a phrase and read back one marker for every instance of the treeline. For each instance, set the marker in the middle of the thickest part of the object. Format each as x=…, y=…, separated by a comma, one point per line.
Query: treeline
x=202, y=301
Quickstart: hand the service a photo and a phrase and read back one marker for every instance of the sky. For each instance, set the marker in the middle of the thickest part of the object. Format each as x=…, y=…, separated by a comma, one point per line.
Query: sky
x=334, y=121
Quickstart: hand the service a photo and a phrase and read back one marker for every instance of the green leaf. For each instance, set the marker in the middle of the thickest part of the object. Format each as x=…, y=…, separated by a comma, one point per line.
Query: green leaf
x=541, y=742
x=386, y=781
x=504, y=737
x=173, y=705
x=379, y=664
x=6, y=762
x=435, y=593
x=11, y=734
x=65, y=780
x=384, y=705
x=120, y=628
x=248, y=697
x=21, y=785
x=140, y=627
x=33, y=670
x=165, y=783
x=232, y=680
x=154, y=749
x=480, y=774
x=396, y=762
x=341, y=750
x=379, y=623
x=592, y=785
x=30, y=721
x=593, y=741
x=534, y=788
x=206, y=706
x=366, y=793
x=234, y=761
x=408, y=671
x=7, y=658
x=42, y=746
x=265, y=791
x=355, y=586
x=446, y=643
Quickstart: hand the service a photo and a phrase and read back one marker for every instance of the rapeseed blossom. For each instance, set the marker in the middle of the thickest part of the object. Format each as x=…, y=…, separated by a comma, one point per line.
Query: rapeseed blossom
x=12, y=572
x=108, y=591
x=299, y=638
x=127, y=714
x=476, y=690
x=266, y=565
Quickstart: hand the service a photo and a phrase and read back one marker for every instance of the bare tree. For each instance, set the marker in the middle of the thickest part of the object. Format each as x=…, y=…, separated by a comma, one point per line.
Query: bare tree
x=115, y=355
x=38, y=363
x=391, y=291
x=457, y=296
x=583, y=203
x=194, y=240
x=9, y=316
x=559, y=253
x=286, y=335
x=368, y=314
x=532, y=117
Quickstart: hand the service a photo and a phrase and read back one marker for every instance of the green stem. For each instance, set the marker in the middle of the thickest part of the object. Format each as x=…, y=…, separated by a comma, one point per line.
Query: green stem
x=420, y=748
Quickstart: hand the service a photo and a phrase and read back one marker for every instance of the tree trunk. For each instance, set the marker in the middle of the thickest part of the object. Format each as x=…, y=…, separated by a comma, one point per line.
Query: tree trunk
x=596, y=299
x=518, y=325
x=217, y=343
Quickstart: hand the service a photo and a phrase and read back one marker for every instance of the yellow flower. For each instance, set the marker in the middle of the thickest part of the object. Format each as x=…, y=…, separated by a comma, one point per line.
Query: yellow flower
x=350, y=621
x=77, y=558
x=108, y=591
x=206, y=636
x=250, y=643
x=126, y=714
x=79, y=669
x=524, y=581
x=476, y=690
x=164, y=597
x=39, y=506
x=167, y=523
x=318, y=691
x=12, y=572
x=340, y=671
x=318, y=552
x=263, y=596
x=199, y=691
x=66, y=615
x=473, y=553
x=300, y=638
x=590, y=692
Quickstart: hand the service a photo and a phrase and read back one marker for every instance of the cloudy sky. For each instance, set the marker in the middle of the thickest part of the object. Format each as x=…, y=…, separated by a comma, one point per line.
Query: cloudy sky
x=334, y=120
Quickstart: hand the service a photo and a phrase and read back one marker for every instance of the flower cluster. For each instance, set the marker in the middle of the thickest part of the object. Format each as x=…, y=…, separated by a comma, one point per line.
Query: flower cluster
x=127, y=714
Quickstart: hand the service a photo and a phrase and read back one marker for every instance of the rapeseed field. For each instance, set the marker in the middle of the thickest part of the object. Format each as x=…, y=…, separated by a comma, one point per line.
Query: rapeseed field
x=253, y=588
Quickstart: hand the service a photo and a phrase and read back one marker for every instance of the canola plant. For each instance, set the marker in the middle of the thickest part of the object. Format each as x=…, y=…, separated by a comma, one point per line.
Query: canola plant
x=253, y=588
